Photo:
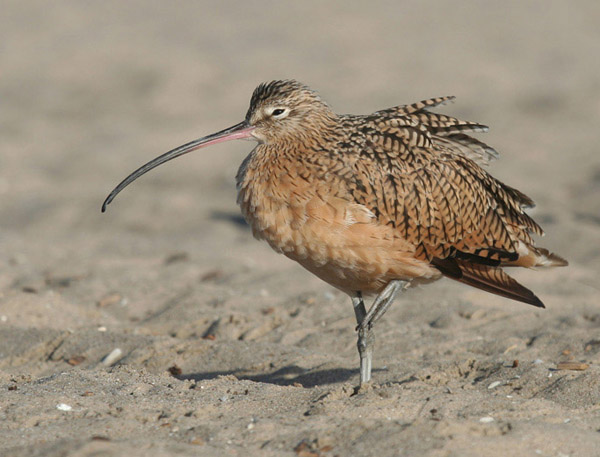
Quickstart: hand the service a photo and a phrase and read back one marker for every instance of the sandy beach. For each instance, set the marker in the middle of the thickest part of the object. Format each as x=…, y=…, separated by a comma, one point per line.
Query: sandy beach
x=162, y=328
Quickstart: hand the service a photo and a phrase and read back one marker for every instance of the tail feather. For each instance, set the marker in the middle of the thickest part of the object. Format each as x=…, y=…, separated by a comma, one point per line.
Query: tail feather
x=533, y=257
x=551, y=259
x=484, y=277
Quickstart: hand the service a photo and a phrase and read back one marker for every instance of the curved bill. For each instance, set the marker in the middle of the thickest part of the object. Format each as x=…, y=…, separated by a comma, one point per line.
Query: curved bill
x=238, y=131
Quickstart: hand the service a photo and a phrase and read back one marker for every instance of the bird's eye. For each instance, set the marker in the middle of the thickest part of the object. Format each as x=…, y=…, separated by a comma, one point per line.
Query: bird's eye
x=276, y=112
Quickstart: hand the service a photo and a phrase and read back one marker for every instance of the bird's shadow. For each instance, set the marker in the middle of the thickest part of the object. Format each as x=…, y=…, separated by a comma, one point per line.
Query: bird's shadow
x=286, y=376
x=232, y=218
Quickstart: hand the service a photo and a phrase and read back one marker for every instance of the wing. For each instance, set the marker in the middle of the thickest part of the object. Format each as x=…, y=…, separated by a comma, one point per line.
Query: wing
x=439, y=200
x=443, y=130
x=448, y=207
x=419, y=173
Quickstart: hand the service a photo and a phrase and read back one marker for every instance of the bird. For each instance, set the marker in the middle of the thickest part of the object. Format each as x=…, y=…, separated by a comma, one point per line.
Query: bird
x=374, y=204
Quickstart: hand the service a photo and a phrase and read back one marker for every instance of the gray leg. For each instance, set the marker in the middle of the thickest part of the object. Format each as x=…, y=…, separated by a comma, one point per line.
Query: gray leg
x=381, y=304
x=359, y=307
x=365, y=321
x=366, y=339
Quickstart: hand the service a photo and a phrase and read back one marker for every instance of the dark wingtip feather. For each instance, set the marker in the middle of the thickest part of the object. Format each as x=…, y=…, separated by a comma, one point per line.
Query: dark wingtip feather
x=490, y=279
x=537, y=302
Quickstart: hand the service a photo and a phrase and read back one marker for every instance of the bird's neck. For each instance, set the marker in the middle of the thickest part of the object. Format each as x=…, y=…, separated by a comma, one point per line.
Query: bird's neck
x=290, y=153
x=264, y=165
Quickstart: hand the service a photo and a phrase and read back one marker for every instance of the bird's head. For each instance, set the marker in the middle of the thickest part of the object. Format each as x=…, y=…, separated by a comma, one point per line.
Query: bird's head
x=286, y=110
x=280, y=111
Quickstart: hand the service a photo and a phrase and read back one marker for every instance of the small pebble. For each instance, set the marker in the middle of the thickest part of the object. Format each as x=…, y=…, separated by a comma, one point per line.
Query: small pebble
x=3, y=318
x=538, y=361
x=102, y=329
x=109, y=300
x=76, y=360
x=494, y=384
x=100, y=438
x=486, y=420
x=175, y=370
x=113, y=357
x=576, y=366
x=63, y=407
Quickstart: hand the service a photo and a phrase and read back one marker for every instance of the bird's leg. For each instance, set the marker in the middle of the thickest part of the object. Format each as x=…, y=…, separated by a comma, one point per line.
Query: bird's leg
x=365, y=321
x=359, y=307
x=381, y=304
x=366, y=339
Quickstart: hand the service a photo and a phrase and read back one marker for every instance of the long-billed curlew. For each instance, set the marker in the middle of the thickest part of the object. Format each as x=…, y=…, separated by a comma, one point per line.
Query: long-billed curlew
x=372, y=204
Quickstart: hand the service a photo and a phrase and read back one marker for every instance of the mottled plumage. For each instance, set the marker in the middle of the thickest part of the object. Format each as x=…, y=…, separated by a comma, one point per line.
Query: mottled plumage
x=362, y=200
x=374, y=203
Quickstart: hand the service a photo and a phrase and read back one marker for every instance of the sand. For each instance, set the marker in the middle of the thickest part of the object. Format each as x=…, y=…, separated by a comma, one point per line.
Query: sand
x=162, y=328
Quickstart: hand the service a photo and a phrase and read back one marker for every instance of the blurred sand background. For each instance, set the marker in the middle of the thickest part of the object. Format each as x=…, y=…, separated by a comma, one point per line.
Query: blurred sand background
x=228, y=348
